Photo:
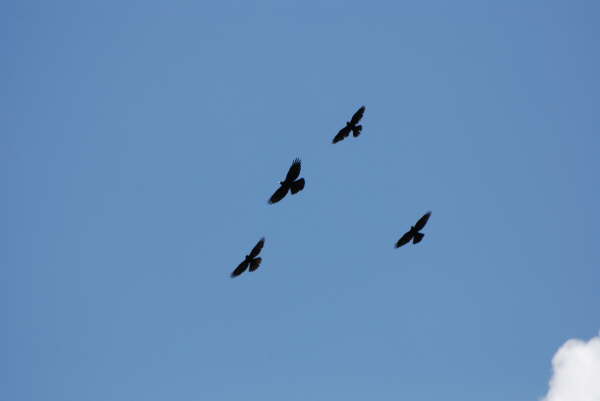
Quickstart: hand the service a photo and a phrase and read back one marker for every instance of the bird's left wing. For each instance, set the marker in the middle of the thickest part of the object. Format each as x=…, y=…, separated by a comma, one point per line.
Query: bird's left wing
x=357, y=116
x=422, y=221
x=257, y=248
x=294, y=171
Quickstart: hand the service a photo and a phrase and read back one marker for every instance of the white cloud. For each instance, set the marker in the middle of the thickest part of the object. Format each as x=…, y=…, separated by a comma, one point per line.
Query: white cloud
x=576, y=374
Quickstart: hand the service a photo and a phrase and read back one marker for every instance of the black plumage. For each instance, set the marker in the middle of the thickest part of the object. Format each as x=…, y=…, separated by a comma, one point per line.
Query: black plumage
x=251, y=261
x=291, y=183
x=351, y=126
x=414, y=234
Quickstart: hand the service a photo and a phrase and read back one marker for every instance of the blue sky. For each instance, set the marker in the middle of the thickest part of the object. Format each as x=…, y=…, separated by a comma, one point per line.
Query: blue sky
x=140, y=142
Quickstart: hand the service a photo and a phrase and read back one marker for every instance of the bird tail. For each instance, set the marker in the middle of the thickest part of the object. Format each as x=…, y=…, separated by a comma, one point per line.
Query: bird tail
x=357, y=130
x=418, y=237
x=297, y=186
x=254, y=264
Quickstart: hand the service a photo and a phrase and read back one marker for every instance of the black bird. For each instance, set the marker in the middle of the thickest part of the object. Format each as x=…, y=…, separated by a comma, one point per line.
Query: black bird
x=414, y=233
x=250, y=260
x=291, y=183
x=351, y=126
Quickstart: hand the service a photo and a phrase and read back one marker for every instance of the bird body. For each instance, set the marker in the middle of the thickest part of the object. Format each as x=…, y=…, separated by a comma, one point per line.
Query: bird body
x=290, y=184
x=414, y=233
x=251, y=261
x=351, y=126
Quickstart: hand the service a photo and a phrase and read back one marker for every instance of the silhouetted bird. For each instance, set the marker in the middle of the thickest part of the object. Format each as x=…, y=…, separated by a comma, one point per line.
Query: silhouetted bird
x=251, y=262
x=291, y=183
x=351, y=126
x=414, y=233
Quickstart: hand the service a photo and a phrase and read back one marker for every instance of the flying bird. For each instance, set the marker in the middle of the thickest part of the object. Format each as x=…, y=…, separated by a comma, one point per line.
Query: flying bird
x=351, y=126
x=251, y=261
x=291, y=183
x=414, y=234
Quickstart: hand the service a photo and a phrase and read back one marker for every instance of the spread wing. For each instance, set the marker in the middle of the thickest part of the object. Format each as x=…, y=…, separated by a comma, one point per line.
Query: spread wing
x=344, y=132
x=278, y=195
x=294, y=171
x=422, y=221
x=257, y=248
x=240, y=269
x=357, y=116
x=405, y=239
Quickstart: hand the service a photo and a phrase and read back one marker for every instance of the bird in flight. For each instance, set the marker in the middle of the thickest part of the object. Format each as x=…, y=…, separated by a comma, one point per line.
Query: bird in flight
x=291, y=183
x=251, y=261
x=414, y=234
x=351, y=126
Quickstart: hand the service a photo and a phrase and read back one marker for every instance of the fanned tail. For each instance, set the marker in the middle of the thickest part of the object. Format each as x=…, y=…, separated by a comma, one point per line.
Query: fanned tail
x=254, y=264
x=297, y=186
x=357, y=130
x=418, y=237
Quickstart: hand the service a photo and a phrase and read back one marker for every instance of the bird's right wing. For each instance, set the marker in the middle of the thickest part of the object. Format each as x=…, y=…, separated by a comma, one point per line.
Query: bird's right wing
x=257, y=248
x=278, y=195
x=357, y=116
x=343, y=133
x=240, y=269
x=405, y=239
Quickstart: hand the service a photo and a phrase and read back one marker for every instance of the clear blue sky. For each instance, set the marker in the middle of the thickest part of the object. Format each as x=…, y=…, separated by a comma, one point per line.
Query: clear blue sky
x=140, y=141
